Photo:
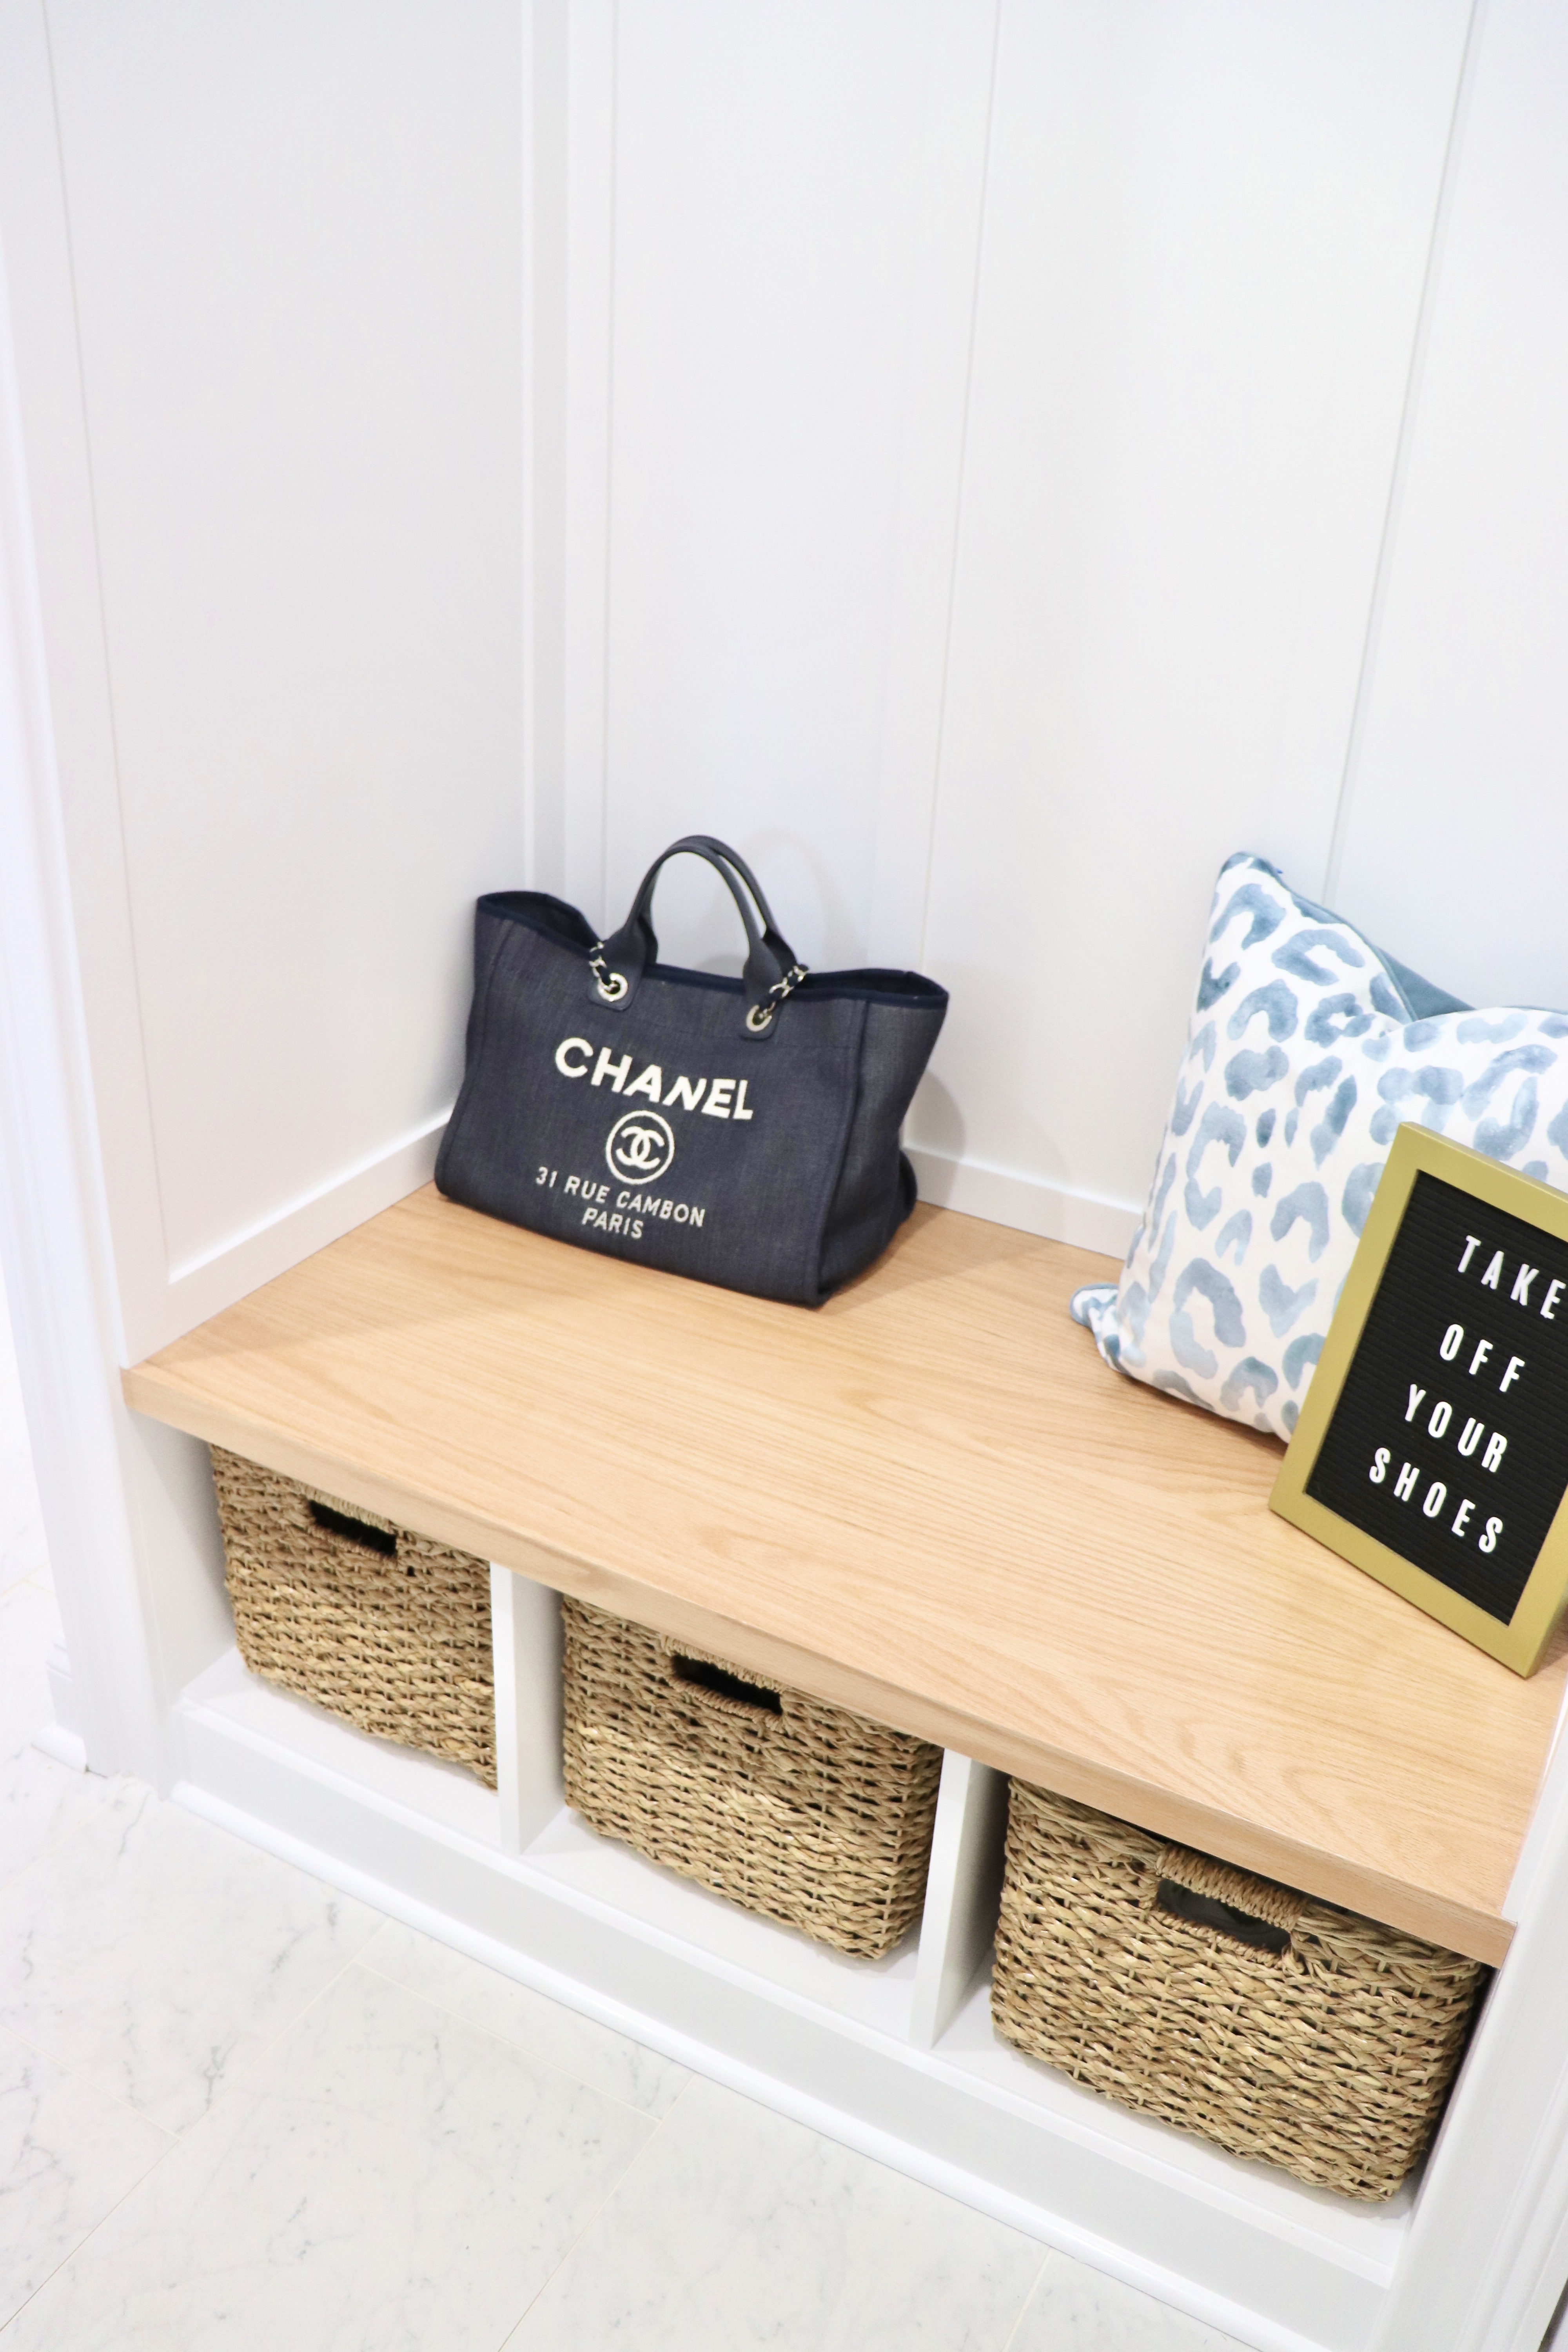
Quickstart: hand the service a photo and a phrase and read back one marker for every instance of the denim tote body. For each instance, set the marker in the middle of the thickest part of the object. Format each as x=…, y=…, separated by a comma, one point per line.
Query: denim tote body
x=741, y=1131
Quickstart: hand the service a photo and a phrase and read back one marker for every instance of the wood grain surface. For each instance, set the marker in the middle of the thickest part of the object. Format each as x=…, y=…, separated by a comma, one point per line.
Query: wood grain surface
x=930, y=1500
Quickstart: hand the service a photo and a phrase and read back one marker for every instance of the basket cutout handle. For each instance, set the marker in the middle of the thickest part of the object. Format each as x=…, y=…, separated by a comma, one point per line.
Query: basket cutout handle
x=1197, y=1910
x=1251, y=1913
x=705, y=1680
x=356, y=1531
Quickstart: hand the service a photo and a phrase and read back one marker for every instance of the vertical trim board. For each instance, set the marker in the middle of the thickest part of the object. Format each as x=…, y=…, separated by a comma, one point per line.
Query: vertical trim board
x=589, y=357
x=945, y=281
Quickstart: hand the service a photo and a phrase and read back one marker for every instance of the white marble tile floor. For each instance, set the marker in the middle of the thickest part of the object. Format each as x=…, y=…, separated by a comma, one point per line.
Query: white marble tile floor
x=158, y=1957
x=387, y=2175
x=239, y=2112
x=738, y=2227
x=606, y=2061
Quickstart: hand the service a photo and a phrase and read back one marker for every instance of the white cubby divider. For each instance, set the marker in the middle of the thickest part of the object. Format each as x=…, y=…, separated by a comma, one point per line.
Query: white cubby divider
x=916, y=1992
x=525, y=1645
x=962, y=1892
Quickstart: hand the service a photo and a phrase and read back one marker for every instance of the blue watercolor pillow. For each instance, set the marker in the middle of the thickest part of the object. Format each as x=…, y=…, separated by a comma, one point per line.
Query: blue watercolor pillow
x=1307, y=1048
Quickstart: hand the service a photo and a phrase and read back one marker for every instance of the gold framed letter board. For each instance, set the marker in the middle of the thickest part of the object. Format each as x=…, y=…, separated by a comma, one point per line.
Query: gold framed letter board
x=1432, y=1449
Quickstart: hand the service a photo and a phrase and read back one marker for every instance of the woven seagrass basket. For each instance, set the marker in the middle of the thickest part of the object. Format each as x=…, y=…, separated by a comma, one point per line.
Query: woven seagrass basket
x=788, y=1806
x=387, y=1629
x=1270, y=2023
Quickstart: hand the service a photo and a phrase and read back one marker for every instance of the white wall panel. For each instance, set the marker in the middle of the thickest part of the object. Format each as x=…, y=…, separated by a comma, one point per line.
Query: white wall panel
x=795, y=225
x=295, y=233
x=1206, y=230
x=1457, y=836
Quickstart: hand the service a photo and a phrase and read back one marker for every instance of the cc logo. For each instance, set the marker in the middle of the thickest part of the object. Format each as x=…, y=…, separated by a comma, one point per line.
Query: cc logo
x=641, y=1147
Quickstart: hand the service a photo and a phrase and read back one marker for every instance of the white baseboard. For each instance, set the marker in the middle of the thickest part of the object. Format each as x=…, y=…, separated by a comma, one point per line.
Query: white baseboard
x=204, y=1285
x=66, y=1746
x=1024, y=1202
x=62, y=1739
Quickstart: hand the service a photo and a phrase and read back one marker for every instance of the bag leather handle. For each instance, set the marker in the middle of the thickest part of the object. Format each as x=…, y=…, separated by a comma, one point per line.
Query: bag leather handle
x=710, y=841
x=770, y=971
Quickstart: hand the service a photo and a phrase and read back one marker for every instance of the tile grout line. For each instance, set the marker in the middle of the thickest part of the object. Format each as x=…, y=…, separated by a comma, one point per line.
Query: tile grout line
x=1028, y=2302
x=288, y=2024
x=131, y=2190
x=102, y=2222
x=65, y=2068
x=601, y=2209
x=28, y=1581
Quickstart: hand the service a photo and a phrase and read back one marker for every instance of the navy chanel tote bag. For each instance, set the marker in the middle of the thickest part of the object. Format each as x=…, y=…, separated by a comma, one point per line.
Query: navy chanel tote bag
x=743, y=1132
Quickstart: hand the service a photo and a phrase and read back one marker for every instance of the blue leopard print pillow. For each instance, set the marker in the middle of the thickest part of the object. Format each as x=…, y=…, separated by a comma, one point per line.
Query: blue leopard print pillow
x=1308, y=1048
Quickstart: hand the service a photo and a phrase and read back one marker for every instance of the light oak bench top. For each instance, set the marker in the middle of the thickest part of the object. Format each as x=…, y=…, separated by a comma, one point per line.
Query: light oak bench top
x=929, y=1500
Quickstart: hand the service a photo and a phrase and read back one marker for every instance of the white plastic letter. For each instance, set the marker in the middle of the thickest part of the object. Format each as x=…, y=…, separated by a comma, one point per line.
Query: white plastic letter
x=1436, y=1496
x=1470, y=1436
x=1496, y=1446
x=1462, y=1516
x=1493, y=1274
x=1483, y=1349
x=1413, y=1407
x=1441, y=1414
x=1488, y=1541
x=1549, y=1304
x=1472, y=1243
x=1515, y=1366
x=1404, y=1485
x=1453, y=1341
x=1379, y=1470
x=1519, y=1294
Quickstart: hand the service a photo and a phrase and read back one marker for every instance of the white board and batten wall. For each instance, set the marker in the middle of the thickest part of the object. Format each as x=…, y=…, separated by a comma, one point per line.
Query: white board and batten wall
x=990, y=459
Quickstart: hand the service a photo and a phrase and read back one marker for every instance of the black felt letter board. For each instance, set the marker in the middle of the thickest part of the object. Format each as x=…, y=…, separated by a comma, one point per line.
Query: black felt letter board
x=1449, y=1439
